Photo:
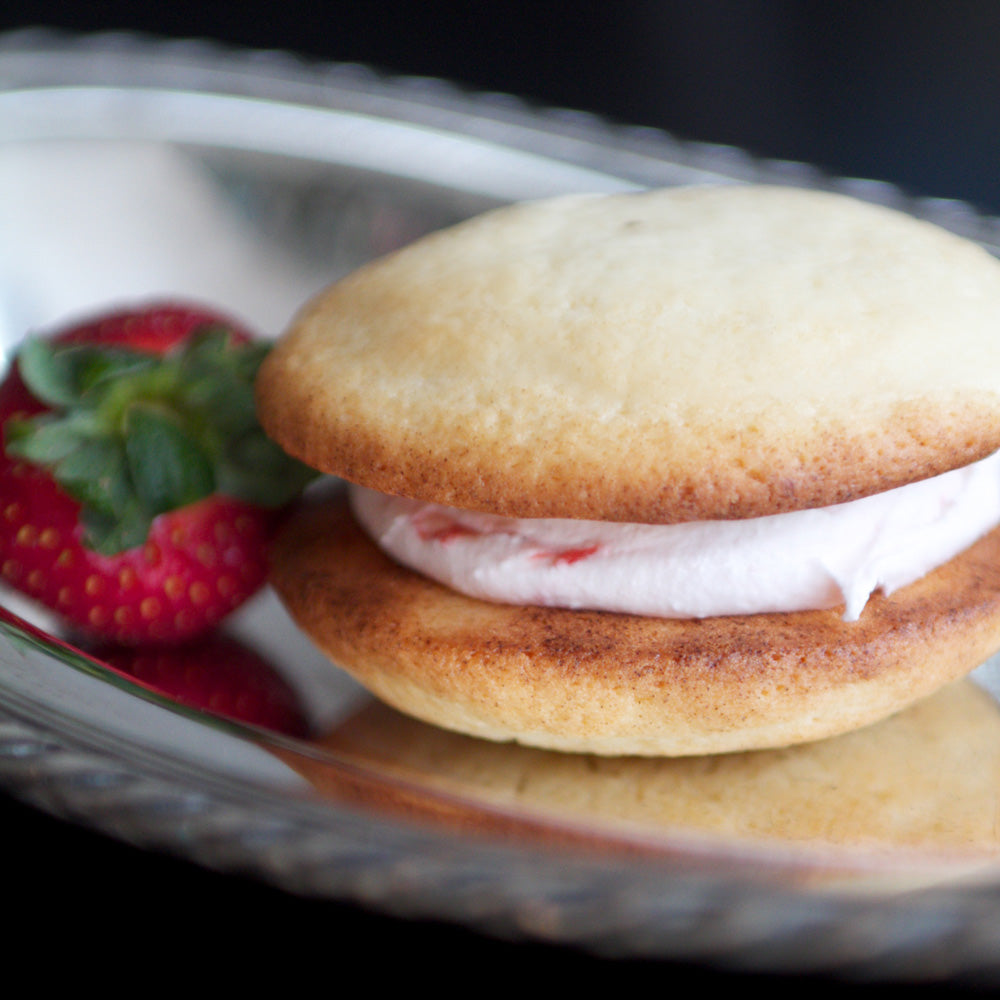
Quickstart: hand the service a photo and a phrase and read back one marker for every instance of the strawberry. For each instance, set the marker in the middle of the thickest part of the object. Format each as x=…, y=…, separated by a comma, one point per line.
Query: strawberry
x=137, y=491
x=217, y=674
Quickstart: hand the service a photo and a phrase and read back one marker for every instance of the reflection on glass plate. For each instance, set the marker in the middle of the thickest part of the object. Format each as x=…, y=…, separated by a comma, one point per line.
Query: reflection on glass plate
x=251, y=183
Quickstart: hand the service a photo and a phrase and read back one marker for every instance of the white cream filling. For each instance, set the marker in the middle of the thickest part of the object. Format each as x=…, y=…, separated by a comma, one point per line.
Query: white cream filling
x=805, y=559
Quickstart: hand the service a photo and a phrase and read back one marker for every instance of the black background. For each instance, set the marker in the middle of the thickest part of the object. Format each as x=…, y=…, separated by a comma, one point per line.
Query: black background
x=902, y=91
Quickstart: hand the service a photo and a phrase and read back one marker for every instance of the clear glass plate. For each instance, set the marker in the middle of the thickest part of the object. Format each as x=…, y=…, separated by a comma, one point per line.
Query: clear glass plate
x=133, y=169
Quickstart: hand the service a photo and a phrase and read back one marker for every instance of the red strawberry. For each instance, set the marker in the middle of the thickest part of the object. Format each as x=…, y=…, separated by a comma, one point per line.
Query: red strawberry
x=137, y=491
x=217, y=674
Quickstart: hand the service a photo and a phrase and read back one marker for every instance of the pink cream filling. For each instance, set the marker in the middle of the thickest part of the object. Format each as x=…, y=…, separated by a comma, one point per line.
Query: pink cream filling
x=820, y=558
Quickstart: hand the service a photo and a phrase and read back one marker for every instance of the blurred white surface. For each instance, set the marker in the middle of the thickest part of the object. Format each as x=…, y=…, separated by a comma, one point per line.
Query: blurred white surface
x=86, y=224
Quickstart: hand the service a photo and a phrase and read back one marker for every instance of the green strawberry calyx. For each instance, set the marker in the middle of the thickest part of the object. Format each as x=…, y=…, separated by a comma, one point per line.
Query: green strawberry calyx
x=132, y=435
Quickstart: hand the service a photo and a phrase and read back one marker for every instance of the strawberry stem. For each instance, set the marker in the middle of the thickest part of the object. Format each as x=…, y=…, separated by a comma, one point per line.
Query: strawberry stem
x=132, y=435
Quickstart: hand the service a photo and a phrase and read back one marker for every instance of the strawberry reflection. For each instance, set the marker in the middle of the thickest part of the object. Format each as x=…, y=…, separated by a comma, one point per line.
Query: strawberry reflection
x=217, y=674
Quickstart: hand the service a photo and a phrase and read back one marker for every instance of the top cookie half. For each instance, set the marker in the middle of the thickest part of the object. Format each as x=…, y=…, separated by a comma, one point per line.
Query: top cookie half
x=682, y=354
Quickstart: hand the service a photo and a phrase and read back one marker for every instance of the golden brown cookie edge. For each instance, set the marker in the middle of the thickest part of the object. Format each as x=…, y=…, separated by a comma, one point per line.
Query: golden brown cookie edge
x=622, y=684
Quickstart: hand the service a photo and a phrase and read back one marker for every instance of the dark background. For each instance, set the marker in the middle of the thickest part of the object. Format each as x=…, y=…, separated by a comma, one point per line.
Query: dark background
x=902, y=91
